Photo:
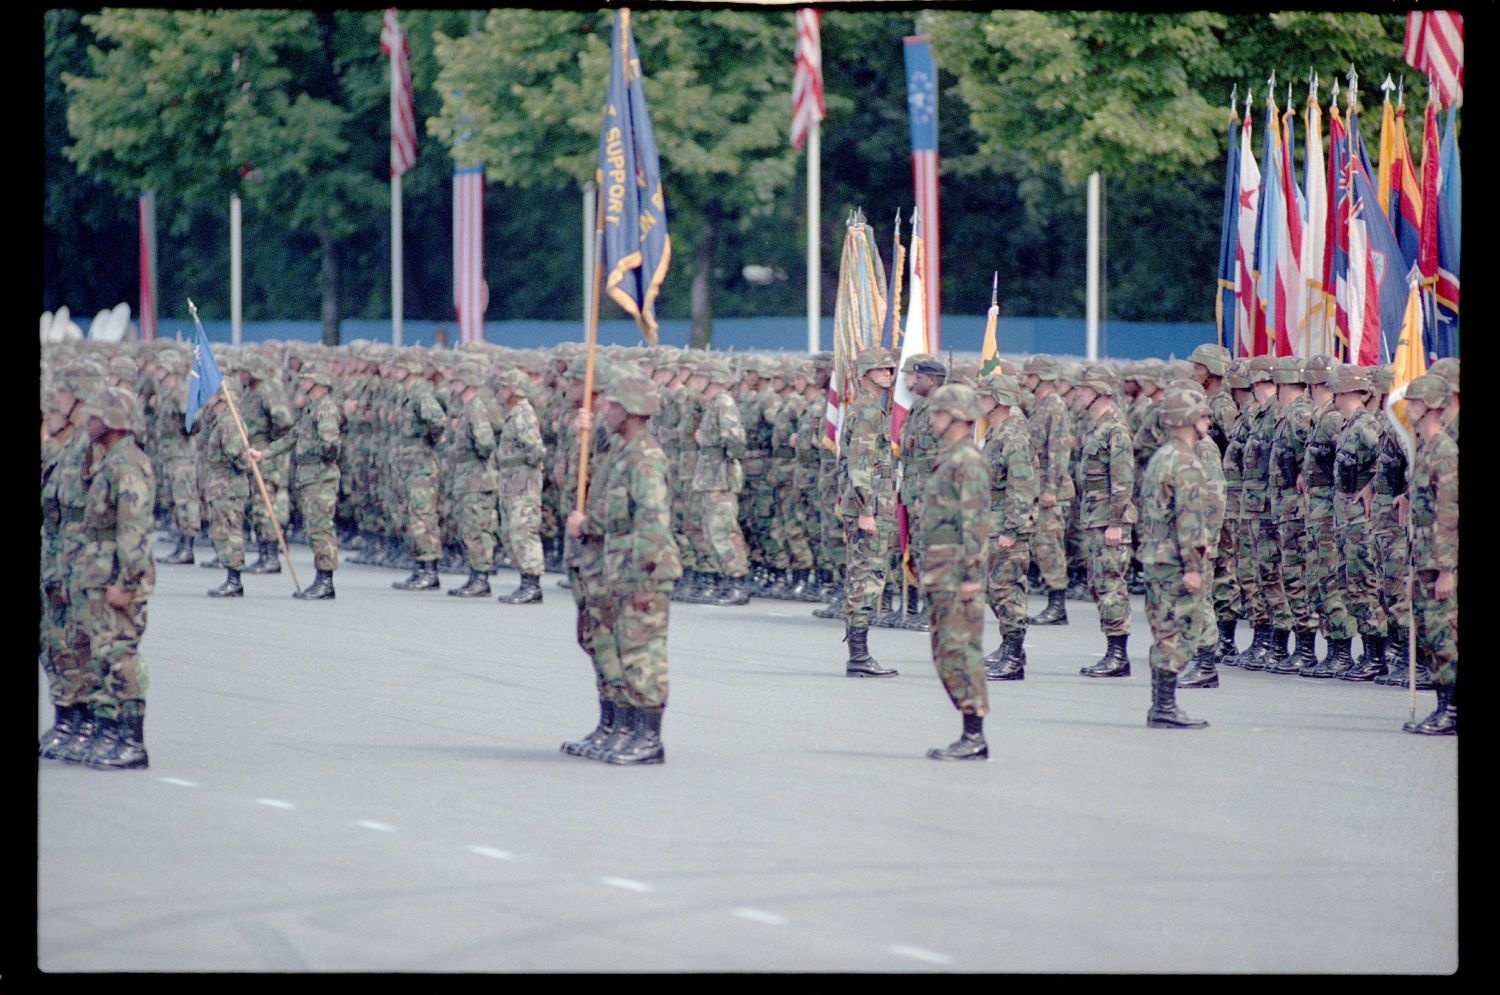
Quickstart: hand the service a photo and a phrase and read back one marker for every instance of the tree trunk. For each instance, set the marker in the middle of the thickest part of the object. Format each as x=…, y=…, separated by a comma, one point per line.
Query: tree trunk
x=328, y=279
x=702, y=305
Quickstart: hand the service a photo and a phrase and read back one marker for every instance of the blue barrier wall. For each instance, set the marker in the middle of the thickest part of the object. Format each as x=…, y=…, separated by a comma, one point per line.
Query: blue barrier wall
x=962, y=333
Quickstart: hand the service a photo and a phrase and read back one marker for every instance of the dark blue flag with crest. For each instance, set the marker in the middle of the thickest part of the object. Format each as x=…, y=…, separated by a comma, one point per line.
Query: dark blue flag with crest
x=203, y=380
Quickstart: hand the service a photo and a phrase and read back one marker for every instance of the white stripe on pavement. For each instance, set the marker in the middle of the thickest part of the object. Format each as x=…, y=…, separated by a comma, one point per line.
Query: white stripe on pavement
x=626, y=884
x=379, y=827
x=274, y=803
x=177, y=781
x=755, y=915
x=917, y=953
x=487, y=851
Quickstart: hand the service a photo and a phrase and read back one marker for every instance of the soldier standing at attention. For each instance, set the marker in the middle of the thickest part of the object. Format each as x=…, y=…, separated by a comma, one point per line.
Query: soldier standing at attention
x=1434, y=551
x=1204, y=670
x=1052, y=431
x=267, y=416
x=1106, y=479
x=420, y=426
x=1323, y=581
x=1012, y=501
x=1289, y=514
x=1260, y=565
x=226, y=488
x=918, y=448
x=476, y=483
x=1354, y=465
x=1175, y=540
x=175, y=450
x=954, y=538
x=640, y=566
x=717, y=481
x=519, y=455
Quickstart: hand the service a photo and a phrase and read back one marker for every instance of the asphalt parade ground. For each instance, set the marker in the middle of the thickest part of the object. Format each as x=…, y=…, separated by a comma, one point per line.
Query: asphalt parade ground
x=374, y=784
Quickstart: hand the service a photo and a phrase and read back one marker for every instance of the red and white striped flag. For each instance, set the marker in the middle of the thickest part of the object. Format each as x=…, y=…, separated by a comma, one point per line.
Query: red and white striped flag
x=1435, y=45
x=403, y=118
x=807, y=78
x=471, y=295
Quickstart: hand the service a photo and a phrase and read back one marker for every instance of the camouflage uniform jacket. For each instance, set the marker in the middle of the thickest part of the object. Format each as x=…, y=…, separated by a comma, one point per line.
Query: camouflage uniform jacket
x=1052, y=440
x=954, y=529
x=520, y=443
x=721, y=443
x=866, y=483
x=267, y=417
x=421, y=420
x=1106, y=474
x=315, y=443
x=1434, y=504
x=173, y=444
x=634, y=518
x=1358, y=448
x=1390, y=472
x=65, y=491
x=1209, y=456
x=1255, y=458
x=1176, y=503
x=1288, y=445
x=1013, y=478
x=1224, y=414
x=589, y=550
x=117, y=526
x=757, y=413
x=918, y=451
x=1317, y=460
x=474, y=448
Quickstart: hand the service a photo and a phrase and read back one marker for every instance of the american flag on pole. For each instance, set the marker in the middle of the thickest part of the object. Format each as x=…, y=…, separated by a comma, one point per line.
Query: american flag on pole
x=921, y=103
x=807, y=78
x=403, y=118
x=1435, y=45
x=471, y=295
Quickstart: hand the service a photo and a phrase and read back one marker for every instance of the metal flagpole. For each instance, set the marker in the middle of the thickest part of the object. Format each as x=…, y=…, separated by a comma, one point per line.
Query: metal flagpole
x=1091, y=318
x=396, y=302
x=814, y=262
x=254, y=467
x=236, y=297
x=584, y=438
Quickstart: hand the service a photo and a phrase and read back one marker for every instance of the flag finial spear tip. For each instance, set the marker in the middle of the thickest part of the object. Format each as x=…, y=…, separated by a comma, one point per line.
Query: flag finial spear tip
x=1388, y=85
x=1234, y=96
x=192, y=308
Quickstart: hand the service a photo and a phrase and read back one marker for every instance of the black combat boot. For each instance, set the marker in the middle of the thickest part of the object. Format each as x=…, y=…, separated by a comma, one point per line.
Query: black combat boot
x=1372, y=664
x=969, y=746
x=602, y=731
x=1397, y=650
x=1056, y=612
x=1304, y=657
x=1012, y=663
x=626, y=718
x=1078, y=587
x=1114, y=663
x=795, y=588
x=269, y=562
x=915, y=618
x=835, y=600
x=1281, y=659
x=231, y=588
x=477, y=586
x=182, y=554
x=1335, y=662
x=62, y=732
x=1133, y=581
x=1204, y=673
x=1226, y=652
x=730, y=591
x=124, y=747
x=528, y=593
x=1443, y=721
x=321, y=589
x=861, y=663
x=645, y=746
x=424, y=577
x=1164, y=713
x=699, y=588
x=994, y=659
x=77, y=749
x=1259, y=656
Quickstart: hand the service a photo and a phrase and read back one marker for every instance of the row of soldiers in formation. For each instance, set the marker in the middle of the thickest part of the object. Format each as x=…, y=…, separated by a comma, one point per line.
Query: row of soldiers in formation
x=478, y=449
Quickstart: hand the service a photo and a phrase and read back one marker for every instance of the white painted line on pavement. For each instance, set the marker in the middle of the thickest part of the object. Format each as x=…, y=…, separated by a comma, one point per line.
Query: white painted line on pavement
x=626, y=884
x=274, y=803
x=379, y=827
x=755, y=915
x=917, y=953
x=177, y=781
x=487, y=851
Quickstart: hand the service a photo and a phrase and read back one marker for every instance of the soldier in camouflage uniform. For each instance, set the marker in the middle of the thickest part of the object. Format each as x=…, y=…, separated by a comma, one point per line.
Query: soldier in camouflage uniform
x=267, y=416
x=1288, y=512
x=1175, y=534
x=918, y=452
x=1105, y=476
x=1392, y=554
x=113, y=579
x=420, y=427
x=1013, y=482
x=717, y=481
x=520, y=456
x=1052, y=436
x=792, y=562
x=315, y=444
x=953, y=536
x=1354, y=467
x=1211, y=366
x=867, y=495
x=178, y=460
x=757, y=404
x=687, y=506
x=476, y=482
x=640, y=567
x=1434, y=550
x=811, y=454
x=1257, y=560
x=226, y=489
x=1204, y=669
x=1447, y=369
x=1325, y=589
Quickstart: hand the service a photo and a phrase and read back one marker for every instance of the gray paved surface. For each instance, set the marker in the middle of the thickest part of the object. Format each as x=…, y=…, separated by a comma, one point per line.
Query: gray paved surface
x=374, y=784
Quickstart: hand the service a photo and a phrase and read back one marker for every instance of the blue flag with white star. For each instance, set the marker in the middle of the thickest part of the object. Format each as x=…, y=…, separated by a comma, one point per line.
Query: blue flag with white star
x=203, y=380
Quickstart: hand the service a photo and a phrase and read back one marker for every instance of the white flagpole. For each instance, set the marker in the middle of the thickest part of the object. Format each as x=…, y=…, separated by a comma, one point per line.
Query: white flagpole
x=814, y=263
x=1091, y=318
x=395, y=225
x=235, y=295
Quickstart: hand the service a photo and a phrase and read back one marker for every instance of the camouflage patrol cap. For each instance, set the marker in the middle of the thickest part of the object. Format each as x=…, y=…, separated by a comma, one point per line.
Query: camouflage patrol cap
x=1179, y=407
x=636, y=394
x=1430, y=389
x=1382, y=377
x=1212, y=357
x=873, y=358
x=1315, y=370
x=1447, y=368
x=1348, y=378
x=1043, y=366
x=1289, y=371
x=1001, y=388
x=1259, y=369
x=116, y=407
x=955, y=399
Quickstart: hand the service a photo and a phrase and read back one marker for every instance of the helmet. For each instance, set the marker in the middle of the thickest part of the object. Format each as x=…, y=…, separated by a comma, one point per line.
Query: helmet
x=1289, y=371
x=1447, y=368
x=873, y=358
x=116, y=407
x=1212, y=357
x=1043, y=365
x=636, y=394
x=1000, y=388
x=1430, y=389
x=1177, y=369
x=1347, y=377
x=1099, y=379
x=1382, y=377
x=1179, y=407
x=1315, y=370
x=955, y=399
x=1236, y=376
x=316, y=373
x=1259, y=369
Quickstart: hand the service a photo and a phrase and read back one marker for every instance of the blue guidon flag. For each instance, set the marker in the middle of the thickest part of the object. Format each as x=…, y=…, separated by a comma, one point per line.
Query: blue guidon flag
x=637, y=249
x=203, y=379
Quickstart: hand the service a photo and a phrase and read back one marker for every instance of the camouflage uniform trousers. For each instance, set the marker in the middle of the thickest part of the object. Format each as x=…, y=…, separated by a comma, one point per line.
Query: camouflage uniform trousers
x=1246, y=572
x=1294, y=572
x=520, y=503
x=1107, y=566
x=180, y=478
x=1394, y=556
x=1359, y=573
x=1266, y=535
x=724, y=543
x=116, y=671
x=755, y=508
x=67, y=648
x=1048, y=548
x=226, y=521
x=1179, y=620
x=316, y=502
x=596, y=613
x=419, y=496
x=1227, y=601
x=275, y=481
x=804, y=526
x=831, y=528
x=635, y=640
x=1437, y=626
x=688, y=530
x=1075, y=545
x=864, y=574
x=1005, y=588
x=1324, y=587
x=956, y=630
